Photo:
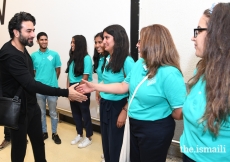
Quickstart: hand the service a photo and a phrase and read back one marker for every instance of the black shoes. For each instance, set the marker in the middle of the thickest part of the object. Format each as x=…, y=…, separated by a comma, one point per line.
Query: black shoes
x=45, y=136
x=56, y=138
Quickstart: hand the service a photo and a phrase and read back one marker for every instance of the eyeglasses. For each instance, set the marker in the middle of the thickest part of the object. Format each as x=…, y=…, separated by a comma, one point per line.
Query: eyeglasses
x=198, y=30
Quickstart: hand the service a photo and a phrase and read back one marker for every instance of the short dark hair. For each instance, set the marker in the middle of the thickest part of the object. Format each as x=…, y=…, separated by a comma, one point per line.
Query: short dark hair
x=16, y=22
x=41, y=34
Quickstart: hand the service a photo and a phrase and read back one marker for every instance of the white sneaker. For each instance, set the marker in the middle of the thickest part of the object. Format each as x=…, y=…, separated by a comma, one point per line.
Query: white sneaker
x=86, y=142
x=76, y=140
x=102, y=156
x=103, y=160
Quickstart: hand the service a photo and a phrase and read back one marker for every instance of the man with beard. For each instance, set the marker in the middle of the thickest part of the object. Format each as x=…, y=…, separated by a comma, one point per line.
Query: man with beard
x=47, y=66
x=17, y=71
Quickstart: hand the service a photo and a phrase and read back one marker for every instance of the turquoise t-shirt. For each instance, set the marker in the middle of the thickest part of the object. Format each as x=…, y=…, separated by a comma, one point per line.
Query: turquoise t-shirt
x=98, y=70
x=157, y=97
x=110, y=77
x=87, y=70
x=45, y=64
x=194, y=142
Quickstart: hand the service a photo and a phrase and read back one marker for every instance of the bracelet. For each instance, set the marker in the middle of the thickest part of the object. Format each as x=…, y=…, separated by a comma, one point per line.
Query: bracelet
x=124, y=109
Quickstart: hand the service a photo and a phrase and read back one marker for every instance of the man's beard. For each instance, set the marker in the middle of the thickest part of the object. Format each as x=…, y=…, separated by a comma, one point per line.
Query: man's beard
x=24, y=41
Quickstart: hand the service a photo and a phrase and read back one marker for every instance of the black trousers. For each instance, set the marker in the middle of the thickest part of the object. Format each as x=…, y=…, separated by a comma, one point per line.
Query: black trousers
x=33, y=127
x=80, y=110
x=7, y=133
x=187, y=159
x=150, y=140
x=112, y=136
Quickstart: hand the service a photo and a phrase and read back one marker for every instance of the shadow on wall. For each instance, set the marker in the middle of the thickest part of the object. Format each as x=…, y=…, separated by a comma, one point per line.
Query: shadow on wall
x=188, y=73
x=188, y=70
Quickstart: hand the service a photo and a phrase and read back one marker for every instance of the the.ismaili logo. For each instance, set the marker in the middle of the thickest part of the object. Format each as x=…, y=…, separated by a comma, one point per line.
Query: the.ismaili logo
x=2, y=12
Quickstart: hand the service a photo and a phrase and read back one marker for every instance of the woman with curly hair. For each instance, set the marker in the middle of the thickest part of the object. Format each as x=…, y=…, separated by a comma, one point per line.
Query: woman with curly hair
x=207, y=107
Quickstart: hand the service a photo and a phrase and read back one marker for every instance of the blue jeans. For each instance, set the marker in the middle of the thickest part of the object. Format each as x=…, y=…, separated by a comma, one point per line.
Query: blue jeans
x=52, y=103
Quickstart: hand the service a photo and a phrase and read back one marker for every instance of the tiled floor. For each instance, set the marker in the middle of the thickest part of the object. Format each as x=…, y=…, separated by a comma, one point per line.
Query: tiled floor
x=63, y=152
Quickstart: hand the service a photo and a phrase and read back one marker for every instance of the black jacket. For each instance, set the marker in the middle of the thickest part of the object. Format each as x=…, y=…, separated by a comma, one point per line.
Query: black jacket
x=16, y=70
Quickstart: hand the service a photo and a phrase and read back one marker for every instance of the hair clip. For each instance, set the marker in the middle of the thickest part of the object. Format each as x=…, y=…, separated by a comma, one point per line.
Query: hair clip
x=211, y=8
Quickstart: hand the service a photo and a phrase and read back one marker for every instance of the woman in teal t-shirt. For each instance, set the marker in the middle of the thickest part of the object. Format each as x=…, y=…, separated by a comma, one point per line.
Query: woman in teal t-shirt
x=112, y=117
x=79, y=67
x=157, y=100
x=99, y=59
x=206, y=111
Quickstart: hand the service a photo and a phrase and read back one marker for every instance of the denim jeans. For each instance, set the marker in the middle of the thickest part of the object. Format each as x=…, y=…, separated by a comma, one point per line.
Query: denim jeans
x=52, y=103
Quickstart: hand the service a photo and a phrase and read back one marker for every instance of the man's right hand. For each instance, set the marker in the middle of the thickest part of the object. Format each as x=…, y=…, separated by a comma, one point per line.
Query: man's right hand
x=76, y=96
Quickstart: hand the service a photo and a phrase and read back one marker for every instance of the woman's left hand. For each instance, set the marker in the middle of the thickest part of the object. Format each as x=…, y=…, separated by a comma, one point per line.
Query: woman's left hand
x=121, y=118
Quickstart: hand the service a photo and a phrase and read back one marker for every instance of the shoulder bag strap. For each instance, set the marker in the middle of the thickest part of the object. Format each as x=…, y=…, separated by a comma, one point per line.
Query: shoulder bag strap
x=123, y=72
x=135, y=91
x=17, y=93
x=0, y=84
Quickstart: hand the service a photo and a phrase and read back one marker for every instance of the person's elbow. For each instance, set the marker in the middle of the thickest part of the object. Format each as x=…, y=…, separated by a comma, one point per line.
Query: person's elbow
x=177, y=114
x=124, y=88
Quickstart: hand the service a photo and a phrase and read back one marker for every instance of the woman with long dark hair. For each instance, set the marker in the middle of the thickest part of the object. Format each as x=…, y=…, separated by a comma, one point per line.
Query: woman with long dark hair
x=206, y=111
x=79, y=67
x=99, y=59
x=112, y=115
x=157, y=93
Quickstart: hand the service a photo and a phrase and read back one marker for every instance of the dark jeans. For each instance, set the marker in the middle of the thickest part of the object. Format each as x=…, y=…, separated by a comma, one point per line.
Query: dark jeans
x=81, y=111
x=112, y=136
x=187, y=159
x=7, y=133
x=150, y=140
x=33, y=127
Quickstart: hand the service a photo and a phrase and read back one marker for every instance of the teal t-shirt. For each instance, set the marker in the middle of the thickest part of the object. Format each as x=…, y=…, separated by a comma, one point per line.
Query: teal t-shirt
x=45, y=64
x=110, y=77
x=194, y=142
x=157, y=97
x=87, y=70
x=98, y=70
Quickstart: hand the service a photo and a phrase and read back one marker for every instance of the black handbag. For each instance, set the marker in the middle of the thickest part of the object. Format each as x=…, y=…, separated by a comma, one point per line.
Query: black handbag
x=10, y=109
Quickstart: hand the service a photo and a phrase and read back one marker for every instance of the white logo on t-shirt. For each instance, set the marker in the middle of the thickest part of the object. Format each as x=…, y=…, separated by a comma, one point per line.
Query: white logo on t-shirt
x=50, y=57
